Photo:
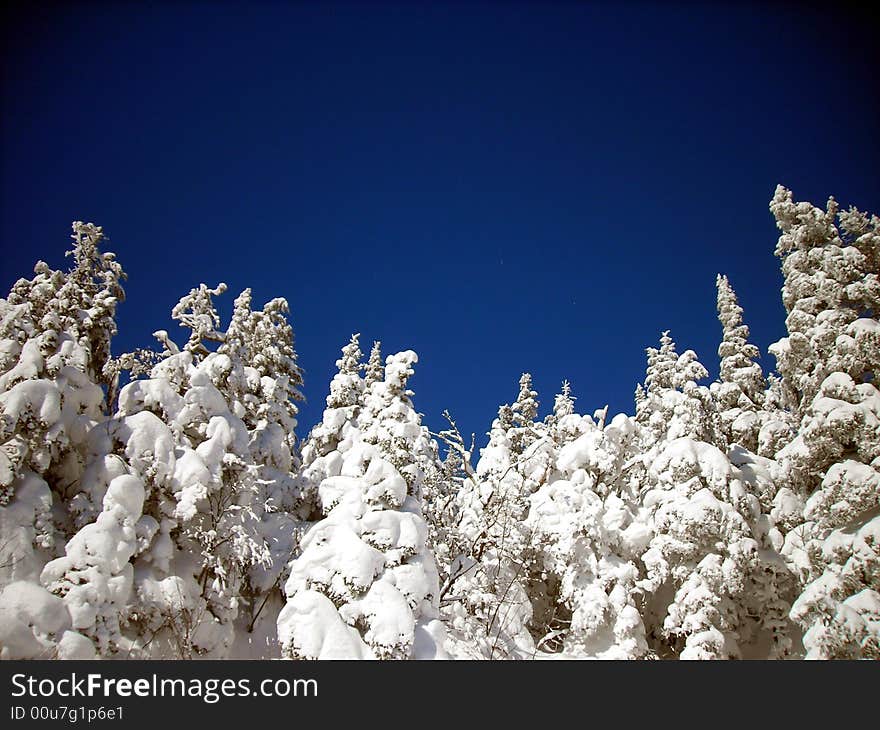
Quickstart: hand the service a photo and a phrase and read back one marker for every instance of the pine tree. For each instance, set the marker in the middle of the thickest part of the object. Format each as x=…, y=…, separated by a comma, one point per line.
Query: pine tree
x=489, y=609
x=831, y=282
x=374, y=370
x=182, y=432
x=337, y=427
x=707, y=556
x=196, y=312
x=563, y=404
x=347, y=386
x=741, y=386
x=365, y=584
x=827, y=363
x=55, y=333
x=263, y=341
x=674, y=404
x=587, y=540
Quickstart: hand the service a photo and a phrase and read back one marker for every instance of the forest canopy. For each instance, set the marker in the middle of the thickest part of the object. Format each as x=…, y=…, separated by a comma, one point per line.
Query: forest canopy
x=161, y=503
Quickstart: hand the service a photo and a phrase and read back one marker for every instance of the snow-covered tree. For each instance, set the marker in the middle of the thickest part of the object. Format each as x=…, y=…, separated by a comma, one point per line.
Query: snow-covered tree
x=563, y=403
x=391, y=423
x=162, y=518
x=831, y=293
x=263, y=341
x=55, y=332
x=440, y=504
x=739, y=391
x=338, y=423
x=828, y=363
x=587, y=541
x=364, y=584
x=835, y=550
x=95, y=577
x=488, y=606
x=674, y=404
x=715, y=585
x=374, y=370
x=196, y=312
x=711, y=545
x=191, y=432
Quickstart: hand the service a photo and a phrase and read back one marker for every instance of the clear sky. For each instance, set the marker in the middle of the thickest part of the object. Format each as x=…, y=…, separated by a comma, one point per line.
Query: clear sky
x=501, y=187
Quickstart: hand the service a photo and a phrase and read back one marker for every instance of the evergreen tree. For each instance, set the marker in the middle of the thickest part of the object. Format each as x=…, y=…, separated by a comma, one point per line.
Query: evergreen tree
x=374, y=370
x=337, y=427
x=489, y=608
x=563, y=404
x=587, y=541
x=831, y=285
x=263, y=341
x=55, y=333
x=674, y=404
x=708, y=554
x=182, y=431
x=828, y=363
x=365, y=584
x=740, y=390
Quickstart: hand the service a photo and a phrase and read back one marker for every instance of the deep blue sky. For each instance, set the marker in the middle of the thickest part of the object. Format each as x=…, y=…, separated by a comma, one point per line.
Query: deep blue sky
x=500, y=187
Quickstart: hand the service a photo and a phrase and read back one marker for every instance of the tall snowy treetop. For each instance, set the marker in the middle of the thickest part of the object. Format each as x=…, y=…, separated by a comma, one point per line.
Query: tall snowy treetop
x=350, y=362
x=525, y=408
x=197, y=312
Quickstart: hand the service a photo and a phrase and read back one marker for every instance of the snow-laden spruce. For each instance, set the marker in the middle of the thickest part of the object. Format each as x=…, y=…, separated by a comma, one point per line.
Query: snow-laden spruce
x=587, y=538
x=145, y=532
x=739, y=391
x=829, y=362
x=55, y=332
x=486, y=602
x=714, y=585
x=364, y=585
x=211, y=433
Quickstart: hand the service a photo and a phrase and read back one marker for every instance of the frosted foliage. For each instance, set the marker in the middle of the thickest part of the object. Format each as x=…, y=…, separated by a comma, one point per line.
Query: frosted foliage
x=364, y=584
x=346, y=386
x=715, y=581
x=582, y=586
x=173, y=513
x=563, y=403
x=488, y=608
x=374, y=370
x=840, y=608
x=33, y=623
x=389, y=421
x=841, y=425
x=55, y=333
x=338, y=426
x=95, y=576
x=211, y=497
x=831, y=280
x=828, y=364
x=443, y=483
x=836, y=550
x=196, y=312
x=661, y=364
x=674, y=405
x=525, y=408
x=208, y=433
x=263, y=341
x=740, y=392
